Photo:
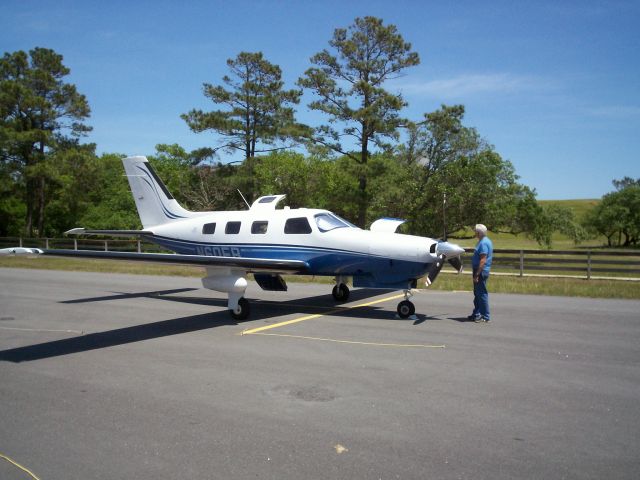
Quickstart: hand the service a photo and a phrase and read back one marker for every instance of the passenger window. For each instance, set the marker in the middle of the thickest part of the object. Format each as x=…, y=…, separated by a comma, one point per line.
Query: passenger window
x=232, y=228
x=259, y=227
x=209, y=228
x=297, y=225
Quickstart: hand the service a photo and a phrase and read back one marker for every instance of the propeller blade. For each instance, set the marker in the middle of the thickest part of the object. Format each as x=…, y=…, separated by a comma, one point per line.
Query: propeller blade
x=435, y=270
x=456, y=263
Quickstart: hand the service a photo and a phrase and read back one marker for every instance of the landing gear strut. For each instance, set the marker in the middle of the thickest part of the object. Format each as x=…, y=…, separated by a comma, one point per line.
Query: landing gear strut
x=406, y=308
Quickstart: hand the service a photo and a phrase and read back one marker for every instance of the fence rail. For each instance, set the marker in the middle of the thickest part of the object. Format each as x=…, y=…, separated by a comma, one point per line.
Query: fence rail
x=609, y=264
x=614, y=264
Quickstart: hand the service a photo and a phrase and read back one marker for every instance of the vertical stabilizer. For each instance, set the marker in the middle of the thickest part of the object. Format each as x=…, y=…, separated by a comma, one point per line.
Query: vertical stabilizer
x=156, y=206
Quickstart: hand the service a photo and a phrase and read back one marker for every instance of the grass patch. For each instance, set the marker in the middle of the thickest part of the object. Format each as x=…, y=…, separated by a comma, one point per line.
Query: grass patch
x=564, y=287
x=102, y=266
x=497, y=284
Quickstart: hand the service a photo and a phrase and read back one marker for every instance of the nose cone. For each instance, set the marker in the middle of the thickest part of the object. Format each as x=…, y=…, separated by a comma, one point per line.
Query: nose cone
x=449, y=250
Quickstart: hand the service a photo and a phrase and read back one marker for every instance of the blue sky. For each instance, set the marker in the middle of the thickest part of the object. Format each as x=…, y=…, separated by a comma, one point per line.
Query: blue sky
x=554, y=85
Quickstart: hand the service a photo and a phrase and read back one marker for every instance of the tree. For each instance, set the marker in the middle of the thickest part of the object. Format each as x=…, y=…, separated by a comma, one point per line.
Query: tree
x=442, y=157
x=258, y=110
x=618, y=214
x=349, y=87
x=626, y=182
x=110, y=204
x=39, y=114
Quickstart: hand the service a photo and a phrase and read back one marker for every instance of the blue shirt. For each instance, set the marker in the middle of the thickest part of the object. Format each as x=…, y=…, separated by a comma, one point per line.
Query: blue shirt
x=483, y=247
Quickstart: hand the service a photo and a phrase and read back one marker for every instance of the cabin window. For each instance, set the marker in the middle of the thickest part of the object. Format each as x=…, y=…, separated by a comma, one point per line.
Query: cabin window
x=267, y=199
x=232, y=228
x=259, y=226
x=297, y=225
x=209, y=228
x=329, y=221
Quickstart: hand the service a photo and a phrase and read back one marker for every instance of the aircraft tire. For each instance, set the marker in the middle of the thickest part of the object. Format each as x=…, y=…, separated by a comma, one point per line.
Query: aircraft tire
x=340, y=293
x=243, y=310
x=406, y=309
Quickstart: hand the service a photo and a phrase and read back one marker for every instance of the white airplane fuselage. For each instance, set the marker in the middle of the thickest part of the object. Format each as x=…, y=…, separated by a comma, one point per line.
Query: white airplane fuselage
x=373, y=259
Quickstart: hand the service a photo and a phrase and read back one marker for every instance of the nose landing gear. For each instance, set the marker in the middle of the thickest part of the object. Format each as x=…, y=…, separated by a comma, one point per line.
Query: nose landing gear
x=406, y=308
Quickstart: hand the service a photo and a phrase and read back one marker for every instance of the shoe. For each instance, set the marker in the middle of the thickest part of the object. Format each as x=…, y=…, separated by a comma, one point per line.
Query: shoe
x=485, y=320
x=479, y=320
x=473, y=318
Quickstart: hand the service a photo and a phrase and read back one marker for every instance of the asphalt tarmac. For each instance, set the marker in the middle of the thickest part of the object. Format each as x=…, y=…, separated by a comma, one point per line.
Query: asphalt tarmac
x=107, y=376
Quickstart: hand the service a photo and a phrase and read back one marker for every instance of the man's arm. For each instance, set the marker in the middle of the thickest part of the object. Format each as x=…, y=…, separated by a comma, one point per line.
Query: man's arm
x=476, y=274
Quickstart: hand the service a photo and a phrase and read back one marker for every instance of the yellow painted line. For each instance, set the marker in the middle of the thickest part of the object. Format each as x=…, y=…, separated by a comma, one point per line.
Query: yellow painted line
x=317, y=315
x=395, y=297
x=351, y=342
x=16, y=464
x=41, y=330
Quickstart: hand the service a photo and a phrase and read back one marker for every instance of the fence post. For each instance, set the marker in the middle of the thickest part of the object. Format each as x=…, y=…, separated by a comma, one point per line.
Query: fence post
x=46, y=243
x=75, y=243
x=522, y=263
x=106, y=245
x=20, y=242
x=588, y=264
x=139, y=247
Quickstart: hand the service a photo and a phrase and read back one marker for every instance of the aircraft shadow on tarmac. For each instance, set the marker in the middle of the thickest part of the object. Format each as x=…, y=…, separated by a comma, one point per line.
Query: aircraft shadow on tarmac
x=262, y=310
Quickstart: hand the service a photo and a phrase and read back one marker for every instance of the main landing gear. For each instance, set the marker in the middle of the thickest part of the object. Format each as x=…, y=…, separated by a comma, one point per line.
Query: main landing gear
x=406, y=308
x=340, y=292
x=242, y=310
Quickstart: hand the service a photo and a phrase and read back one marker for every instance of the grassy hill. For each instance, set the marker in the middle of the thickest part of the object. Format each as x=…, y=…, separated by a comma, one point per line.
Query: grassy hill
x=579, y=207
x=560, y=242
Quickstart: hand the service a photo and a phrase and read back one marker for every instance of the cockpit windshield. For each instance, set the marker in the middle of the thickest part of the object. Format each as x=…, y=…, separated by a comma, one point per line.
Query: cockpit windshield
x=330, y=221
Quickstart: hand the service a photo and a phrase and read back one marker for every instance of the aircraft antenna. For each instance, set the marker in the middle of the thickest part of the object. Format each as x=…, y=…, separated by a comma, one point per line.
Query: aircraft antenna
x=245, y=200
x=444, y=214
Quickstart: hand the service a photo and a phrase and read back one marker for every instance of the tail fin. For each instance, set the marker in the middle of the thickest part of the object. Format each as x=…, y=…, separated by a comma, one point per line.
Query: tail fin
x=155, y=204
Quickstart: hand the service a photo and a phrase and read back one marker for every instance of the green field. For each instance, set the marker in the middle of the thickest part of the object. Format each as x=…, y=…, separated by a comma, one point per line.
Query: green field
x=560, y=242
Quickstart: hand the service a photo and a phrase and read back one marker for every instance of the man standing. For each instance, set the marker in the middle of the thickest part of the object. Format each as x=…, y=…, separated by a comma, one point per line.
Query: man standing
x=481, y=263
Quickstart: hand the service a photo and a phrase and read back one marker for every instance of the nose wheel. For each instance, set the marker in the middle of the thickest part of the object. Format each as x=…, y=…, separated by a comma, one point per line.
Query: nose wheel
x=406, y=308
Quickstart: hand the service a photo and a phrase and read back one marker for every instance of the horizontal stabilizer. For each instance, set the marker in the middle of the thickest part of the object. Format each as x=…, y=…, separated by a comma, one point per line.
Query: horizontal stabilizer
x=109, y=233
x=20, y=252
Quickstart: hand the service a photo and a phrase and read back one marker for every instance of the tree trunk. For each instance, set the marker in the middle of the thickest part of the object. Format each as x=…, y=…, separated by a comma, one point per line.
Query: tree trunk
x=29, y=218
x=362, y=197
x=41, y=205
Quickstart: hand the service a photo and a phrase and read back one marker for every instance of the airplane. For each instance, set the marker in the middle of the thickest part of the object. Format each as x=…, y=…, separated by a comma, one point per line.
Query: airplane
x=270, y=242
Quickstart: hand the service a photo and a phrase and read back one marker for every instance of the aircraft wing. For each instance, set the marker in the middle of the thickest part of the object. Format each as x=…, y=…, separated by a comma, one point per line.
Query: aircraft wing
x=248, y=264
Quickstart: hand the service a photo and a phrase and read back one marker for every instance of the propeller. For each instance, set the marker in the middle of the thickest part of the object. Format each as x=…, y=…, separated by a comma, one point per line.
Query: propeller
x=450, y=249
x=456, y=262
x=435, y=270
x=444, y=250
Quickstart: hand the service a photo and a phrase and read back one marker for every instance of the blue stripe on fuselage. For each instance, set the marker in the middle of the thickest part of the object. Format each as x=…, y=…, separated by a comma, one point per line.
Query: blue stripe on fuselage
x=321, y=260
